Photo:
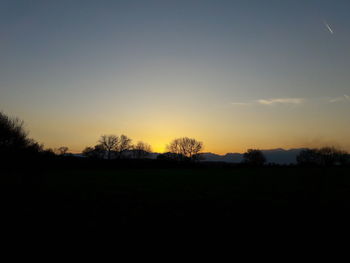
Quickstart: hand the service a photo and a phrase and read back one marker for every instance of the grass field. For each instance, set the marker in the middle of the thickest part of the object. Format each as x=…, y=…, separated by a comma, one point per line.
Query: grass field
x=98, y=198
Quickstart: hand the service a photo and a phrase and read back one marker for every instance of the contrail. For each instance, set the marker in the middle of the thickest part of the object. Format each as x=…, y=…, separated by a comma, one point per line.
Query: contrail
x=328, y=27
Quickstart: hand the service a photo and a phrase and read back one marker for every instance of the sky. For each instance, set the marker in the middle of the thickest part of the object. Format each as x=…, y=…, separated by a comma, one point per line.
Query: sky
x=233, y=74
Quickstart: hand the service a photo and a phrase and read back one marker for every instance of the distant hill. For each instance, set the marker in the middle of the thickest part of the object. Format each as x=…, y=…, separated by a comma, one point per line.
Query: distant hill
x=278, y=156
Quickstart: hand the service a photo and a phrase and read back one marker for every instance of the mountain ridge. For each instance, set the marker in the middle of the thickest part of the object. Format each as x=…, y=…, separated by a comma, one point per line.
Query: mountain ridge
x=278, y=156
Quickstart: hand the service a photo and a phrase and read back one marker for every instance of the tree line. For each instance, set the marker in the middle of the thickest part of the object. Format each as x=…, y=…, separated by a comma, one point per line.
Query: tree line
x=15, y=143
x=117, y=147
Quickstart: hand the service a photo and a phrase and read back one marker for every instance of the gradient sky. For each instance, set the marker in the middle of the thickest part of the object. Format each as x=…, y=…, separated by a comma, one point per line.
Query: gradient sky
x=233, y=74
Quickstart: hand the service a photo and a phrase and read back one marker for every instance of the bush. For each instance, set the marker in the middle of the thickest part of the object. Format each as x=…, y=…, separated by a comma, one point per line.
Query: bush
x=254, y=157
x=14, y=141
x=326, y=156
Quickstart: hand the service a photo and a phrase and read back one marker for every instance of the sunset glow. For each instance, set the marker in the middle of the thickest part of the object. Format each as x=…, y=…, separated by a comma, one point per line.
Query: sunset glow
x=232, y=74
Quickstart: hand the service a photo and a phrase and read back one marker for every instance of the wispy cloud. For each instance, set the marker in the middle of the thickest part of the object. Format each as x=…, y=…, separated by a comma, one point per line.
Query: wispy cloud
x=281, y=101
x=344, y=98
x=270, y=102
x=294, y=101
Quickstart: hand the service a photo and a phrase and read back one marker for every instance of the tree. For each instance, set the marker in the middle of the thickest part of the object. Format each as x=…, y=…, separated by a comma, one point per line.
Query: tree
x=12, y=133
x=325, y=156
x=254, y=157
x=115, y=144
x=14, y=138
x=96, y=152
x=331, y=156
x=308, y=157
x=186, y=147
x=109, y=143
x=62, y=150
x=123, y=144
x=141, y=150
x=87, y=152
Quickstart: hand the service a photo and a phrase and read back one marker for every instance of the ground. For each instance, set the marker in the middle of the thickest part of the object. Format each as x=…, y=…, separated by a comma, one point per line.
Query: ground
x=98, y=198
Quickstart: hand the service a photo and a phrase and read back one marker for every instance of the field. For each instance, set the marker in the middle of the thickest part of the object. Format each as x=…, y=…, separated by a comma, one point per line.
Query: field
x=101, y=198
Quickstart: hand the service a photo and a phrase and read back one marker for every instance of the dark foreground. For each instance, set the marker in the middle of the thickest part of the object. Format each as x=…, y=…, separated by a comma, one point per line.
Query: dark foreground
x=100, y=199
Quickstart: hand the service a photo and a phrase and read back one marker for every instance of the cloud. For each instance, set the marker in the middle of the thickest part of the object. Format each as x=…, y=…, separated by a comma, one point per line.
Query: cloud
x=344, y=98
x=270, y=102
x=293, y=101
x=281, y=101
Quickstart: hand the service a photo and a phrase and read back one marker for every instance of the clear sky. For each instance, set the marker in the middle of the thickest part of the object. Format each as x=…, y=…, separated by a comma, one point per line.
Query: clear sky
x=234, y=74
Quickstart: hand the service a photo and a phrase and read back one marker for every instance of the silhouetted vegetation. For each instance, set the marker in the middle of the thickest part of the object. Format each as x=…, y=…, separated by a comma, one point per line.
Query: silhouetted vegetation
x=185, y=148
x=141, y=150
x=96, y=152
x=108, y=143
x=169, y=156
x=63, y=150
x=326, y=156
x=14, y=140
x=254, y=157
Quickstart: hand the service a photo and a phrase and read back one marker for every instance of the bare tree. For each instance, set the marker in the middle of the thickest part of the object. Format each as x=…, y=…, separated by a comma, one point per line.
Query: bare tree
x=115, y=144
x=62, y=150
x=141, y=150
x=185, y=147
x=123, y=144
x=109, y=143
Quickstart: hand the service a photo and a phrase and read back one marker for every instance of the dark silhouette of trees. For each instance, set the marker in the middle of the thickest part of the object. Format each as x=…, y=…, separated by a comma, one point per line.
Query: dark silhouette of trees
x=87, y=152
x=62, y=150
x=168, y=156
x=308, y=157
x=97, y=152
x=254, y=157
x=14, y=141
x=12, y=134
x=332, y=156
x=141, y=150
x=48, y=153
x=108, y=143
x=326, y=156
x=109, y=146
x=123, y=144
x=185, y=148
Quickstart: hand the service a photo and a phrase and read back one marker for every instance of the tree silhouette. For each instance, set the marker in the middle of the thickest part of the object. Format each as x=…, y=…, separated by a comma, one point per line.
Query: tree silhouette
x=326, y=156
x=62, y=150
x=308, y=157
x=185, y=147
x=331, y=156
x=114, y=144
x=141, y=150
x=97, y=152
x=14, y=139
x=123, y=144
x=109, y=143
x=254, y=157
